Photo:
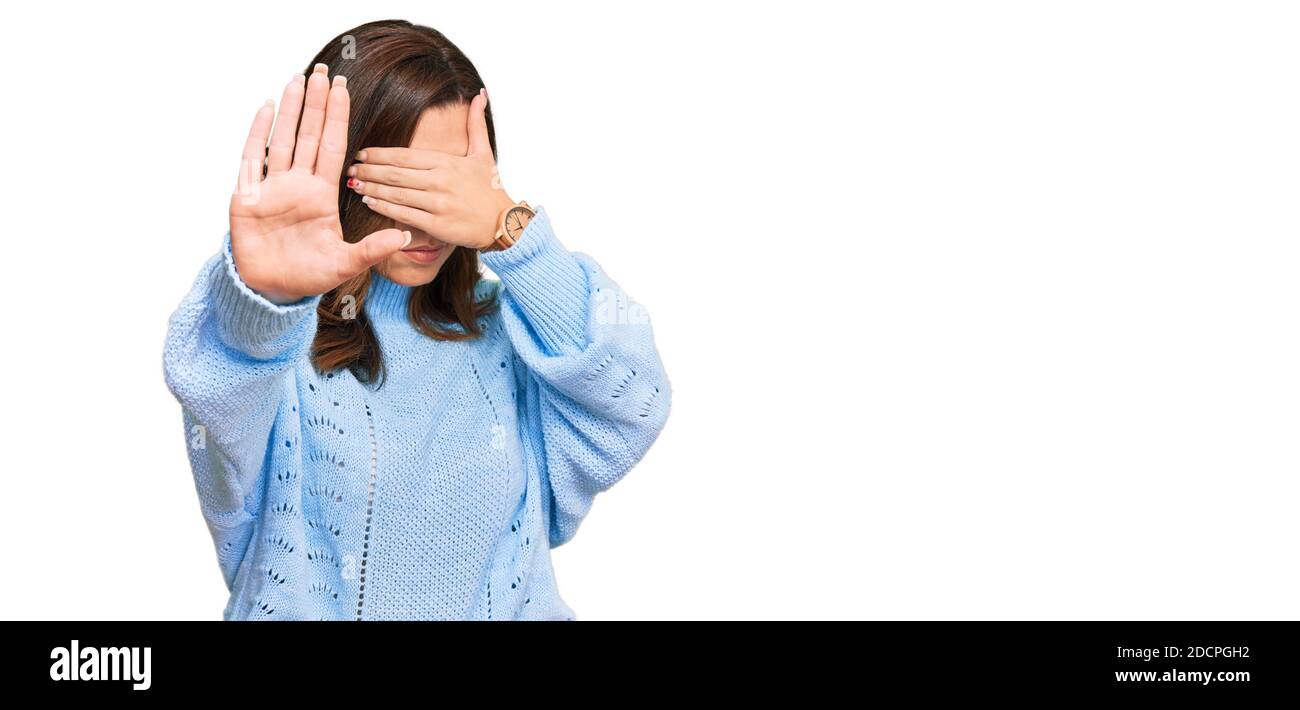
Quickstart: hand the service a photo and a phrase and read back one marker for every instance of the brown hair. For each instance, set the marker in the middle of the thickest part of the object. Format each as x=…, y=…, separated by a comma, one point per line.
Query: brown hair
x=396, y=70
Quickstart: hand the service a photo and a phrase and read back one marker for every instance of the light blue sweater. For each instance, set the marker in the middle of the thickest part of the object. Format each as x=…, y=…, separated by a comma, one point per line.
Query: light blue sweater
x=440, y=494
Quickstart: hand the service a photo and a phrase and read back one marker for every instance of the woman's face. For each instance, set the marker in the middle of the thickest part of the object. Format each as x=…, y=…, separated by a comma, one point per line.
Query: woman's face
x=442, y=129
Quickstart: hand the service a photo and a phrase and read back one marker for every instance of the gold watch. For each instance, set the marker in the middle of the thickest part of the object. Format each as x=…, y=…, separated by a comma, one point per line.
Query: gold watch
x=510, y=225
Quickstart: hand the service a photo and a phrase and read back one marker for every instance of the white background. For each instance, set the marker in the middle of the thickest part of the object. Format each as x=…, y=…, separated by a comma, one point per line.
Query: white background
x=971, y=310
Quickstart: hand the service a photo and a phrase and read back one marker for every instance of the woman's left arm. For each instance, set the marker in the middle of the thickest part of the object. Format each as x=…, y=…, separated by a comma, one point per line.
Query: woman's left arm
x=597, y=394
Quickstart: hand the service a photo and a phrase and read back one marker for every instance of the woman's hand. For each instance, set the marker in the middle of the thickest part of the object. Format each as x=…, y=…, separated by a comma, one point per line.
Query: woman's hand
x=456, y=199
x=284, y=228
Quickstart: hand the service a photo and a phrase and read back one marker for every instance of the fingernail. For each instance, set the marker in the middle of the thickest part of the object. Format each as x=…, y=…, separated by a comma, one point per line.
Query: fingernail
x=298, y=79
x=367, y=199
x=408, y=239
x=354, y=183
x=341, y=81
x=270, y=103
x=361, y=155
x=352, y=170
x=321, y=68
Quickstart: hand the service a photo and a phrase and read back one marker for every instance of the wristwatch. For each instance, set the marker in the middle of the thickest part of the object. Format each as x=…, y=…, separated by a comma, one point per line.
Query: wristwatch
x=510, y=226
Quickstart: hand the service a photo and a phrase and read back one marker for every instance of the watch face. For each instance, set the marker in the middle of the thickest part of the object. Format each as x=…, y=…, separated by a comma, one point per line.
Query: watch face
x=516, y=219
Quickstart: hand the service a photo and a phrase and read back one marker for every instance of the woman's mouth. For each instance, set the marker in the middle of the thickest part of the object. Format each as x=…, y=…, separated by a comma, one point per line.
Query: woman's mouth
x=423, y=255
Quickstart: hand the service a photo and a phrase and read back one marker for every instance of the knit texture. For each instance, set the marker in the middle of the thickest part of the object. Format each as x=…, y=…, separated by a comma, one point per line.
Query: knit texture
x=440, y=494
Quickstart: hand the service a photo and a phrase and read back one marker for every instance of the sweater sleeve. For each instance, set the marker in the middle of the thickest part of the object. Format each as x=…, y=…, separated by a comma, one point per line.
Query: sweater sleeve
x=596, y=392
x=228, y=359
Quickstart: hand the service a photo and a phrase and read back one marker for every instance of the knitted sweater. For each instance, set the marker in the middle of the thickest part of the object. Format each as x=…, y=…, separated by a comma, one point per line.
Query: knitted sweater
x=440, y=494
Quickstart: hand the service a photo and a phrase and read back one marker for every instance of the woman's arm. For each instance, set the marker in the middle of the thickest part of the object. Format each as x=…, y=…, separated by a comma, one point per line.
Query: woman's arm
x=233, y=343
x=228, y=359
x=597, y=394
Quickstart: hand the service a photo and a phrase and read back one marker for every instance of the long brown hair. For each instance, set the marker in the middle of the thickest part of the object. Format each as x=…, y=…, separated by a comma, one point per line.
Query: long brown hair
x=396, y=70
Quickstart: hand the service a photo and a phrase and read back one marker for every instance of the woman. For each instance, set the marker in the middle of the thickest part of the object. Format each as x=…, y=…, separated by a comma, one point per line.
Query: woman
x=375, y=430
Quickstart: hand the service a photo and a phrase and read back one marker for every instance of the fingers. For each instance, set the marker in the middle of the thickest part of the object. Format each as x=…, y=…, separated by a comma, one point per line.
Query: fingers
x=372, y=250
x=477, y=127
x=405, y=158
x=406, y=215
x=400, y=177
x=419, y=199
x=280, y=157
x=250, y=164
x=334, y=141
x=313, y=120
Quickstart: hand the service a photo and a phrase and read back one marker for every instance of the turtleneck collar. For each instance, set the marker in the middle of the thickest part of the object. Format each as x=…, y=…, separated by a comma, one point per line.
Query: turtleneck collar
x=386, y=300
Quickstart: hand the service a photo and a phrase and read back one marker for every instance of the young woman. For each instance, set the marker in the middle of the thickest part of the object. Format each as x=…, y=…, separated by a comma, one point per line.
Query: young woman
x=375, y=430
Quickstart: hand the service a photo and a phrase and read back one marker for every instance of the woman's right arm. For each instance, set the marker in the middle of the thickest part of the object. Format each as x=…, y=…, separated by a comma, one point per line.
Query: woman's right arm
x=229, y=360
x=233, y=344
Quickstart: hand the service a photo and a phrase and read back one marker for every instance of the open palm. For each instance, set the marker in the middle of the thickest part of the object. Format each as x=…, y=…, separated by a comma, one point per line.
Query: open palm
x=285, y=231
